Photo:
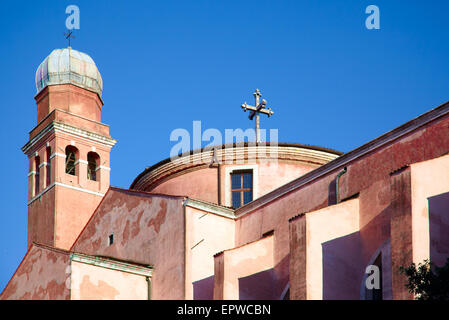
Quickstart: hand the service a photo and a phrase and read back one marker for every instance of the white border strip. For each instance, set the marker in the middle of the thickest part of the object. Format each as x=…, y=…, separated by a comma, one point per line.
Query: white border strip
x=66, y=186
x=32, y=173
x=210, y=208
x=57, y=154
x=43, y=164
x=112, y=264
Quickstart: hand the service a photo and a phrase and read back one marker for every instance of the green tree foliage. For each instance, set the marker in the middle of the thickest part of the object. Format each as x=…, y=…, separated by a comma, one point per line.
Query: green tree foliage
x=427, y=281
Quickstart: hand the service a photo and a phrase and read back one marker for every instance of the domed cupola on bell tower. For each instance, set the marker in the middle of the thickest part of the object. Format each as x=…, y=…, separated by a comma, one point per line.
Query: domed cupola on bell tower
x=68, y=149
x=69, y=80
x=69, y=66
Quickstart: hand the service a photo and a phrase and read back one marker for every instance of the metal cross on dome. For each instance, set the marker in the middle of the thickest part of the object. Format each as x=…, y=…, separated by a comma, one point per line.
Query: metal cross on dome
x=255, y=111
x=69, y=35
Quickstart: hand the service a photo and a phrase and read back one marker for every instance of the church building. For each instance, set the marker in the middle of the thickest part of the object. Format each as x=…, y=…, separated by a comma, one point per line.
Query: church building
x=238, y=221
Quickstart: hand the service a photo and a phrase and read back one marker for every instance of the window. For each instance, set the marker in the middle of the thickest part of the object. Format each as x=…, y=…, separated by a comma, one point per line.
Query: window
x=70, y=160
x=37, y=162
x=48, y=170
x=93, y=162
x=241, y=188
x=111, y=239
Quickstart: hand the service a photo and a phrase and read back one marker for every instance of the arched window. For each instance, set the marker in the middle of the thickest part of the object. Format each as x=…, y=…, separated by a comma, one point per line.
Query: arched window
x=37, y=162
x=48, y=171
x=93, y=162
x=71, y=154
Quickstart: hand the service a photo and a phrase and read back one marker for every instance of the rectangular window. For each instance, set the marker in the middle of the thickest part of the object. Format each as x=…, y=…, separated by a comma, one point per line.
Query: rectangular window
x=241, y=187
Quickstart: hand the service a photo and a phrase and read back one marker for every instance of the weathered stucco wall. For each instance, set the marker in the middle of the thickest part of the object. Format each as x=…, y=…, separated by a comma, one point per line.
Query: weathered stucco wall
x=147, y=228
x=41, y=223
x=89, y=282
x=43, y=274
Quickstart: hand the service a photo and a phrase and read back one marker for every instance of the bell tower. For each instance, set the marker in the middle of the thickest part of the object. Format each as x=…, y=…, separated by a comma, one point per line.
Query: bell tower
x=68, y=150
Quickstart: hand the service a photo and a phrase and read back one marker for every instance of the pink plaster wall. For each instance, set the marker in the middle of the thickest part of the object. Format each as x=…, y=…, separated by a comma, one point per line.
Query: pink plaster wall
x=84, y=147
x=203, y=183
x=60, y=213
x=428, y=179
x=246, y=271
x=200, y=184
x=41, y=222
x=274, y=216
x=338, y=266
x=90, y=282
x=70, y=98
x=298, y=257
x=369, y=176
x=206, y=234
x=147, y=228
x=63, y=116
x=274, y=175
x=73, y=210
x=42, y=275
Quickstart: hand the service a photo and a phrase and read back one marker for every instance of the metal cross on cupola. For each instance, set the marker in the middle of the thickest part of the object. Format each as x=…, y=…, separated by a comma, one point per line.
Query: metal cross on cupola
x=69, y=35
x=259, y=108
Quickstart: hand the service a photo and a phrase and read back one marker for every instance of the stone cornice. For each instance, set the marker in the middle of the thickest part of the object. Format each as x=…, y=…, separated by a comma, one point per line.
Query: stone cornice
x=112, y=264
x=248, y=154
x=209, y=207
x=65, y=128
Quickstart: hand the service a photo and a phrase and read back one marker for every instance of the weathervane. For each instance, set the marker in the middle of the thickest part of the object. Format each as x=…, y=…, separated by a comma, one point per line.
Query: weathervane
x=259, y=108
x=69, y=35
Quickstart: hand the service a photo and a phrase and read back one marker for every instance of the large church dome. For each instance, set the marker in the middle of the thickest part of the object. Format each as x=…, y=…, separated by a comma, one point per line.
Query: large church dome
x=67, y=65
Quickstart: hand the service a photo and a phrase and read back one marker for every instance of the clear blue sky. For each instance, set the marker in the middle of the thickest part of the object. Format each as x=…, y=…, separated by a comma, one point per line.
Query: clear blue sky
x=330, y=81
